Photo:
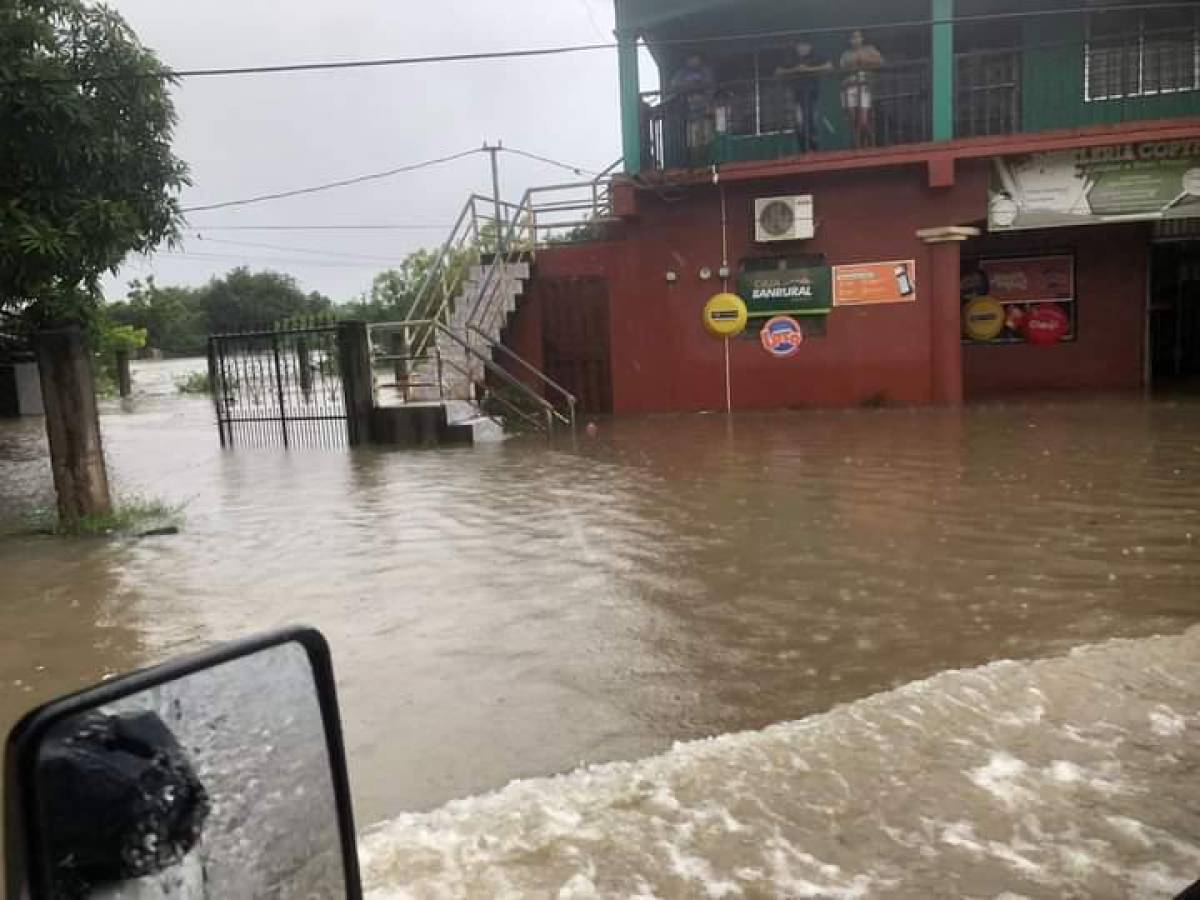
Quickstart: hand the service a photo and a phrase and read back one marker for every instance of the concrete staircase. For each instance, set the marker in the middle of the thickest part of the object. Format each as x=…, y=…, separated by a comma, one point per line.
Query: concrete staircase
x=479, y=314
x=488, y=298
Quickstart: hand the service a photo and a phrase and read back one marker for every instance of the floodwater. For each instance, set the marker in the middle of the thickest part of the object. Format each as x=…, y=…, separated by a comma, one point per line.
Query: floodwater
x=803, y=585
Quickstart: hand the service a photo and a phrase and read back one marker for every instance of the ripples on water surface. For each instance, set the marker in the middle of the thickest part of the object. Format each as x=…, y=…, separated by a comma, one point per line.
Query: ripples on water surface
x=512, y=611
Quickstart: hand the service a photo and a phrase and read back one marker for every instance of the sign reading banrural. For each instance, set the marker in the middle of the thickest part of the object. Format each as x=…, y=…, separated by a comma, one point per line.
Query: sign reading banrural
x=777, y=292
x=1151, y=180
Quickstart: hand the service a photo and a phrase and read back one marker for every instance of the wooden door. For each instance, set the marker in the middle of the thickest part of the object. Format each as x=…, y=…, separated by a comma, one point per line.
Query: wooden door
x=576, y=339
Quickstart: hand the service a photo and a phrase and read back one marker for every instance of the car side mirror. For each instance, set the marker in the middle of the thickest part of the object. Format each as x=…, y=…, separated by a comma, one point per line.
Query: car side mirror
x=219, y=775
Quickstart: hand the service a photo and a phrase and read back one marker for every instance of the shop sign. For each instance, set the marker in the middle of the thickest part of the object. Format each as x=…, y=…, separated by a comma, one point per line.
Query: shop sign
x=1031, y=279
x=724, y=315
x=1151, y=180
x=1046, y=325
x=863, y=284
x=781, y=336
x=983, y=319
x=1020, y=300
x=786, y=291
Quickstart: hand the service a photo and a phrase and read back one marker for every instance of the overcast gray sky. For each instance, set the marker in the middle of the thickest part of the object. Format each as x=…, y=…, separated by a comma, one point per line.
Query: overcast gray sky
x=251, y=135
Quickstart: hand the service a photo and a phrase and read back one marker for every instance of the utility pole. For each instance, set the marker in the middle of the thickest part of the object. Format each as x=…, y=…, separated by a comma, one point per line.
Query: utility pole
x=494, y=152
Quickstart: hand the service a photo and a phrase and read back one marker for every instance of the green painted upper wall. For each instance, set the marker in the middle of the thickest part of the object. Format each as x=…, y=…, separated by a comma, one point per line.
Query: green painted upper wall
x=999, y=73
x=1052, y=82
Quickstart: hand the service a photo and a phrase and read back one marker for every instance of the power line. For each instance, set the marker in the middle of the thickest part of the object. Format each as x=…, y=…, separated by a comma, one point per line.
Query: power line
x=267, y=260
x=592, y=18
x=171, y=75
x=381, y=227
x=345, y=182
x=326, y=253
x=375, y=176
x=578, y=170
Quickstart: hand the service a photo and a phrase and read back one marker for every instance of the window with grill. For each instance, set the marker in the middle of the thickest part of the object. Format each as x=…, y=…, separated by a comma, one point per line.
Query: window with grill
x=1142, y=53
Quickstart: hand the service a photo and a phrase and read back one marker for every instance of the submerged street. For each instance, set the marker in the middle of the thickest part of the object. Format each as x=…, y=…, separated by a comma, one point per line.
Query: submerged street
x=516, y=610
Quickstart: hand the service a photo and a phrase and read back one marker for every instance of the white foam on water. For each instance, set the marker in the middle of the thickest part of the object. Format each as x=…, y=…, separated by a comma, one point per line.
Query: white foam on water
x=1165, y=722
x=1000, y=777
x=1060, y=777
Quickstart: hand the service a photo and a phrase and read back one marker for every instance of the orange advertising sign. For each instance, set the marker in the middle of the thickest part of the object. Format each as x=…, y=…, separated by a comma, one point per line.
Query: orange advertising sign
x=881, y=282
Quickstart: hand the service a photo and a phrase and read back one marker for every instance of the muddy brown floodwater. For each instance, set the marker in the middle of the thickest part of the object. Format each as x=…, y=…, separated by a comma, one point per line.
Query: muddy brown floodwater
x=520, y=610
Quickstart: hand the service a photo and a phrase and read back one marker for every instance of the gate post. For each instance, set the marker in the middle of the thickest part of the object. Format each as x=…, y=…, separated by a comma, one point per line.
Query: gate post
x=214, y=386
x=124, y=377
x=354, y=358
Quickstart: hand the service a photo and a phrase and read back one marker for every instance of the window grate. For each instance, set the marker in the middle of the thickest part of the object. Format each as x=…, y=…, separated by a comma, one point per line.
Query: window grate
x=1138, y=53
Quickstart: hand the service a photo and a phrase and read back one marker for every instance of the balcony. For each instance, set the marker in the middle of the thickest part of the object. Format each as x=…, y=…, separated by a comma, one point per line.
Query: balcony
x=1042, y=86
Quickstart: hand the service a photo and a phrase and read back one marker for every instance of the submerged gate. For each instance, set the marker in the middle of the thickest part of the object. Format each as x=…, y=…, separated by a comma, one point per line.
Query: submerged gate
x=279, y=388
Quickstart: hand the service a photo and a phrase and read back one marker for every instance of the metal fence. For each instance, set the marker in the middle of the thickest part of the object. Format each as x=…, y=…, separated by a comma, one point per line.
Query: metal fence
x=278, y=388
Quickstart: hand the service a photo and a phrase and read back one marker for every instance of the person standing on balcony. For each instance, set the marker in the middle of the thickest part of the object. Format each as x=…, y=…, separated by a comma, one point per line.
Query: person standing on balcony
x=859, y=63
x=693, y=87
x=803, y=81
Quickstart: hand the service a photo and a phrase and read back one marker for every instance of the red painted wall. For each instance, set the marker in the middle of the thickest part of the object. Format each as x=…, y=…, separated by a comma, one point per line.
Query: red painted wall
x=664, y=360
x=1111, y=265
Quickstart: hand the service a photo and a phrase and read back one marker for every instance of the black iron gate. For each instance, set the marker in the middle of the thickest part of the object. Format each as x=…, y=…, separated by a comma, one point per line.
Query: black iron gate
x=279, y=388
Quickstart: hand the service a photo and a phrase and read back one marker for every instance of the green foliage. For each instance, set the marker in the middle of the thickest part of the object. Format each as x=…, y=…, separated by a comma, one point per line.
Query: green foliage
x=109, y=339
x=195, y=383
x=173, y=317
x=131, y=516
x=178, y=320
x=87, y=175
x=122, y=339
x=247, y=300
x=393, y=292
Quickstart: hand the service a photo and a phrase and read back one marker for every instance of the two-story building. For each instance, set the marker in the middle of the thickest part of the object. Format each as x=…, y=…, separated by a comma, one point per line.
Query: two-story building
x=950, y=198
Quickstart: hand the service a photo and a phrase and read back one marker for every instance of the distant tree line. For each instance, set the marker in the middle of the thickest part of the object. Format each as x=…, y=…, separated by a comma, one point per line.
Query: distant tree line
x=178, y=320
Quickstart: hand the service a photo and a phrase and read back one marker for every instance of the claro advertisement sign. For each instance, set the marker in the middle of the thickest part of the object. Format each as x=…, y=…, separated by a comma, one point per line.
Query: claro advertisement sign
x=1152, y=180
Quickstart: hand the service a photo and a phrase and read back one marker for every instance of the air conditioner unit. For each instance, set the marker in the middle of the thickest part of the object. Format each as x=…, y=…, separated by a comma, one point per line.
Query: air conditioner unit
x=783, y=218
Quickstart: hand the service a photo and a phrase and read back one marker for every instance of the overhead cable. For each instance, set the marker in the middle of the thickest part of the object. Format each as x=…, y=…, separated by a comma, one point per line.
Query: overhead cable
x=328, y=186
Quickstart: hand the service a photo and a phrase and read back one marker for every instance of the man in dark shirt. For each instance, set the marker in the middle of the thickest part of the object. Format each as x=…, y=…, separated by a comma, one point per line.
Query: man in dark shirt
x=692, y=86
x=803, y=80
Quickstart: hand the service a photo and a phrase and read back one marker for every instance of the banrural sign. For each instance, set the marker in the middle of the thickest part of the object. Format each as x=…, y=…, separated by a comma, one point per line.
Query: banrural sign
x=790, y=291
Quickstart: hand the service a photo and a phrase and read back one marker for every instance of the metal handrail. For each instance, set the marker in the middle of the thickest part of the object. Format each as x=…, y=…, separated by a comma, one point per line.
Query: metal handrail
x=508, y=404
x=517, y=240
x=534, y=370
x=505, y=375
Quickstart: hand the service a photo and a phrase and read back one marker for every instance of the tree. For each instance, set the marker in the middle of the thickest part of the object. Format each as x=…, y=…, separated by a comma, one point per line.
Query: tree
x=245, y=300
x=172, y=317
x=87, y=176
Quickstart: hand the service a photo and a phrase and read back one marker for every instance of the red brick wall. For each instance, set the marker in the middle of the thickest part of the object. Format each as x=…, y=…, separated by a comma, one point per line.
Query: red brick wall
x=1111, y=263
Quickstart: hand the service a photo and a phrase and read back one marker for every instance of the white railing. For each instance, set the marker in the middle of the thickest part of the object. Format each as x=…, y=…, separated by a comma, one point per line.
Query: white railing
x=546, y=215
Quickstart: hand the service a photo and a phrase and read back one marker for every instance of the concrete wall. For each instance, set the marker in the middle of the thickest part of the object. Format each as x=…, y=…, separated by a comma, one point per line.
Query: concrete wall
x=1111, y=270
x=664, y=360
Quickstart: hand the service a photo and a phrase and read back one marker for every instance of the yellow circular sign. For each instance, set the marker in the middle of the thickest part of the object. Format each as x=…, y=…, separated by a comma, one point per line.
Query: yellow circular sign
x=725, y=315
x=983, y=319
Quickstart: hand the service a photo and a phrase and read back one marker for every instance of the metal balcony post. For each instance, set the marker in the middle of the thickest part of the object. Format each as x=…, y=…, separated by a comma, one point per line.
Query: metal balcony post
x=943, y=69
x=631, y=102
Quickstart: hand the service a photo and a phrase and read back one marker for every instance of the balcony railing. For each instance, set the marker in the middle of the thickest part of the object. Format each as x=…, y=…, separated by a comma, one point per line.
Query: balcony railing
x=997, y=92
x=758, y=118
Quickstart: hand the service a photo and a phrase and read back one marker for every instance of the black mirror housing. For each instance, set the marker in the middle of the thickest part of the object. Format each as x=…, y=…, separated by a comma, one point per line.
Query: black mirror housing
x=114, y=782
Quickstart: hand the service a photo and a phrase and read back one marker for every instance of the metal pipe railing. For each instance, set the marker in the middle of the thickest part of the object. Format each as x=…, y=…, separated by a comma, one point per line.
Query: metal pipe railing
x=539, y=374
x=517, y=238
x=505, y=375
